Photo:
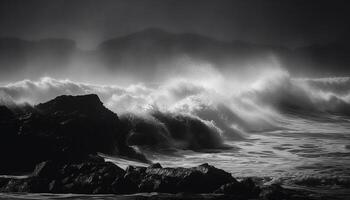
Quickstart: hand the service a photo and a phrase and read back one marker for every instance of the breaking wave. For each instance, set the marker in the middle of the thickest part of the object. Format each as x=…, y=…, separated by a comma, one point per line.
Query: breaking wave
x=203, y=111
x=166, y=131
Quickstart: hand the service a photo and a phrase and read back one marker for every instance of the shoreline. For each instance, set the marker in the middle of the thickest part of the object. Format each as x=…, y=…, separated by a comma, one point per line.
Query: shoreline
x=95, y=176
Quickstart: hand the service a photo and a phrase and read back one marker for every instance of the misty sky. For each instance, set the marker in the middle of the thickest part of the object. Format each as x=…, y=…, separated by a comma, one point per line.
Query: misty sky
x=289, y=23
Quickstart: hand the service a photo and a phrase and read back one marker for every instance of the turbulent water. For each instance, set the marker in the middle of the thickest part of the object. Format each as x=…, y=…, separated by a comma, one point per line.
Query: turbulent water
x=268, y=124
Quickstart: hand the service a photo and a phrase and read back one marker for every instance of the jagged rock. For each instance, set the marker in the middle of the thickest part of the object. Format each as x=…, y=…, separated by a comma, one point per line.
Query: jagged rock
x=55, y=186
x=3, y=181
x=155, y=165
x=94, y=158
x=246, y=188
x=123, y=185
x=47, y=169
x=6, y=114
x=67, y=128
x=84, y=104
x=32, y=184
x=86, y=177
x=91, y=177
x=201, y=179
x=135, y=174
x=157, y=183
x=83, y=121
x=10, y=144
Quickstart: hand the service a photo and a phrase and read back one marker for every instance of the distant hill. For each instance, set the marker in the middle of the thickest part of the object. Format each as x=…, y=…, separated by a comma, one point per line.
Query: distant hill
x=153, y=47
x=148, y=50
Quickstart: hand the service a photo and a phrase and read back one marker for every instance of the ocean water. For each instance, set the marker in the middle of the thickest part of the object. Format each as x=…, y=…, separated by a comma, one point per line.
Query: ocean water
x=316, y=159
x=274, y=127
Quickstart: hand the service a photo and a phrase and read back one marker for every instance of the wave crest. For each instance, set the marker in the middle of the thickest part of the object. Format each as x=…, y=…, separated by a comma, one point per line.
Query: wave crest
x=164, y=131
x=197, y=114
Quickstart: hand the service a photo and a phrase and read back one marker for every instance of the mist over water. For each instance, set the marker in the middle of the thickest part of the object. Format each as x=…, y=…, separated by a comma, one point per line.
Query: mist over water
x=258, y=88
x=251, y=120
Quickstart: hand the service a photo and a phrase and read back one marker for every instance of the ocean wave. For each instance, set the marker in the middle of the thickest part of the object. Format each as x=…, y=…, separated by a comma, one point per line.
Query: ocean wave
x=166, y=131
x=194, y=113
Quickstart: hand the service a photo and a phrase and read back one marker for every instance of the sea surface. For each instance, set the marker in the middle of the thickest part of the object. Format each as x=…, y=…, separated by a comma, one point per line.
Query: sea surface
x=317, y=161
x=295, y=132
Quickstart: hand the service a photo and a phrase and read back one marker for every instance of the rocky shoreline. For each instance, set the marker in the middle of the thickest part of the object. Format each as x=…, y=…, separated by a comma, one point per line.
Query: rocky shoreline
x=95, y=176
x=57, y=143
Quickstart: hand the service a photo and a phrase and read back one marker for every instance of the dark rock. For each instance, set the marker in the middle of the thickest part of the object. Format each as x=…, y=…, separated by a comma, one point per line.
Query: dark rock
x=55, y=186
x=135, y=174
x=84, y=104
x=9, y=142
x=82, y=121
x=155, y=166
x=205, y=178
x=106, y=178
x=94, y=158
x=32, y=184
x=68, y=188
x=47, y=169
x=246, y=188
x=6, y=114
x=85, y=177
x=201, y=179
x=65, y=129
x=3, y=181
x=53, y=169
x=123, y=185
x=156, y=183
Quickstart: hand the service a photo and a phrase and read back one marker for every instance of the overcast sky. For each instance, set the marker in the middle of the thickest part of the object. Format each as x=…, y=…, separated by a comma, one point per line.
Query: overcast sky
x=281, y=22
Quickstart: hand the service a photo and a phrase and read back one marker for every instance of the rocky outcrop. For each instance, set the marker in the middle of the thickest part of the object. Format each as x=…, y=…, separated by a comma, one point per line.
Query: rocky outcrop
x=9, y=141
x=201, y=179
x=89, y=177
x=95, y=176
x=247, y=188
x=58, y=142
x=67, y=128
